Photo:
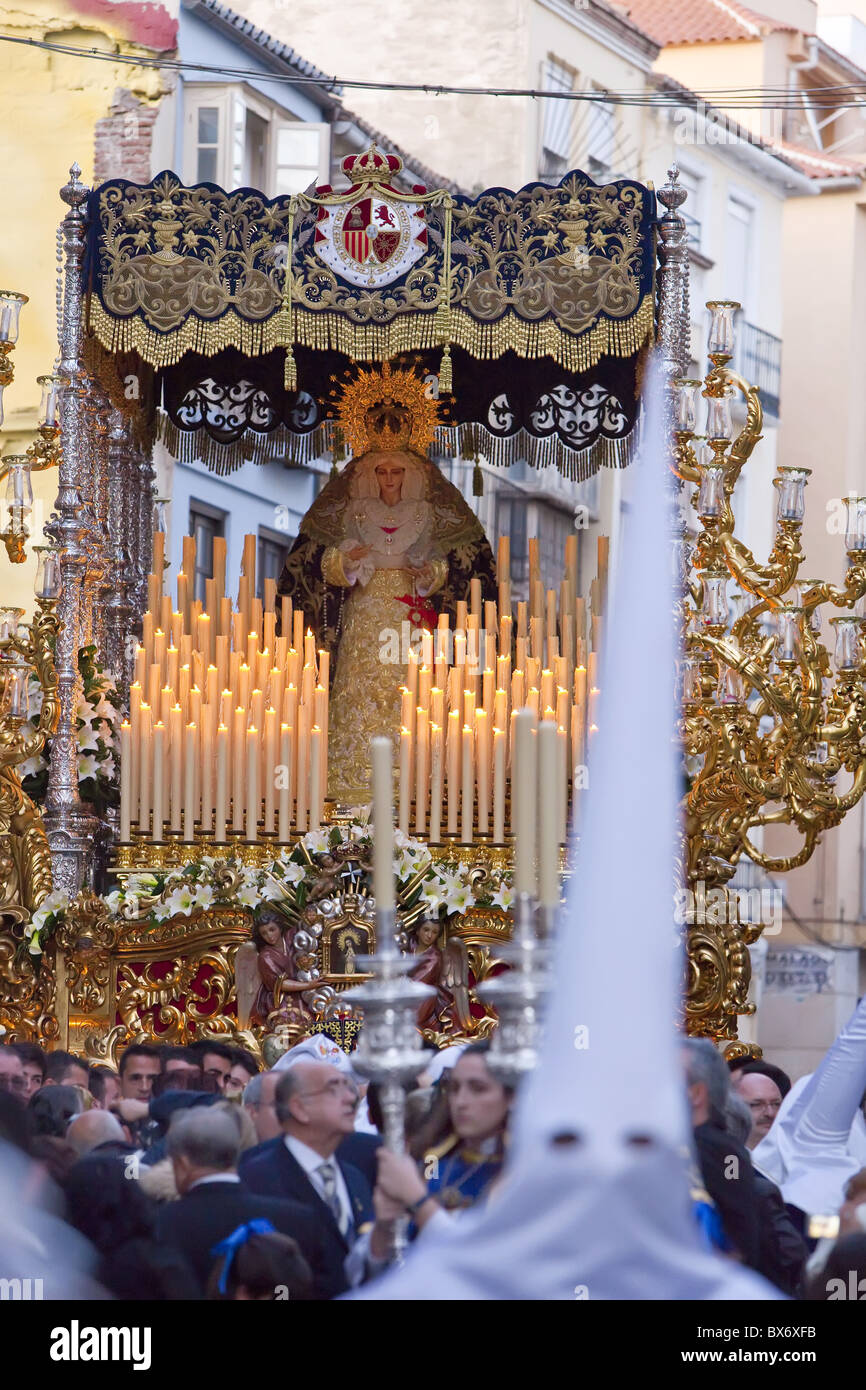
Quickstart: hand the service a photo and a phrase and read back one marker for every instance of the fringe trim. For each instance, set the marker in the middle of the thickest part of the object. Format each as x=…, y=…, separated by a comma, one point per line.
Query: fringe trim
x=469, y=441
x=410, y=332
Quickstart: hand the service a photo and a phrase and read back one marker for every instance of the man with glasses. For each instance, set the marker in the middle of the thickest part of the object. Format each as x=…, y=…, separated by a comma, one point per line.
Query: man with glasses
x=12, y=1078
x=764, y=1100
x=315, y=1108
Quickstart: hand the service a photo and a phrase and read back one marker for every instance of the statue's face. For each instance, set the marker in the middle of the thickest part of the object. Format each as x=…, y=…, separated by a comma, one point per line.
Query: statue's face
x=389, y=475
x=270, y=933
x=427, y=933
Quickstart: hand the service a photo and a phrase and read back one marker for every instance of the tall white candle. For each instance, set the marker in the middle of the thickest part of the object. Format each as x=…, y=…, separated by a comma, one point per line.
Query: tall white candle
x=221, y=798
x=405, y=775
x=422, y=766
x=253, y=801
x=315, y=777
x=190, y=754
x=145, y=767
x=125, y=782
x=286, y=782
x=382, y=755
x=270, y=768
x=436, y=768
x=524, y=783
x=158, y=780
x=498, y=786
x=467, y=789
x=176, y=757
x=548, y=815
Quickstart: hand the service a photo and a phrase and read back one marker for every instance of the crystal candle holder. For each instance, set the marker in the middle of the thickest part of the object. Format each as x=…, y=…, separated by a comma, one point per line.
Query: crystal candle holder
x=791, y=487
x=711, y=494
x=720, y=339
x=687, y=404
x=788, y=635
x=848, y=653
x=714, y=608
x=855, y=523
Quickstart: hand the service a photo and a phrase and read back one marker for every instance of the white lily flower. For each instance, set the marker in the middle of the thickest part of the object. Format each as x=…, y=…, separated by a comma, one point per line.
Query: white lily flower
x=203, y=896
x=31, y=767
x=317, y=841
x=459, y=900
x=503, y=897
x=114, y=901
x=294, y=873
x=249, y=895
x=88, y=766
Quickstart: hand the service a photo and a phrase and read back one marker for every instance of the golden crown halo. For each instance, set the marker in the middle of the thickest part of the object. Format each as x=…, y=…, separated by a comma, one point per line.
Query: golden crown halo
x=386, y=408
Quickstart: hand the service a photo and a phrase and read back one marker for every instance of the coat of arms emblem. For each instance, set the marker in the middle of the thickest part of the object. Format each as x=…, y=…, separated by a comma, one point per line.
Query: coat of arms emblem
x=372, y=239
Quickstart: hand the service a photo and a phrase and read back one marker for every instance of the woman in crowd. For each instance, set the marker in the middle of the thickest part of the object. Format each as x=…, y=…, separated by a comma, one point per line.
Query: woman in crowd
x=458, y=1166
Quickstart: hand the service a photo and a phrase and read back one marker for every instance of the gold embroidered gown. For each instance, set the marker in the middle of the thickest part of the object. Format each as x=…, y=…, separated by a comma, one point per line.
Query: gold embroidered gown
x=366, y=693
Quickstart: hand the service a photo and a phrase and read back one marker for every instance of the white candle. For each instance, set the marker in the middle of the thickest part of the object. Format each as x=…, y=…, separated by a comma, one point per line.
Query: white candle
x=453, y=756
x=524, y=798
x=145, y=767
x=206, y=763
x=315, y=776
x=498, y=786
x=421, y=769
x=239, y=725
x=190, y=755
x=382, y=756
x=176, y=758
x=252, y=760
x=405, y=774
x=125, y=782
x=158, y=780
x=548, y=816
x=286, y=771
x=270, y=768
x=467, y=788
x=436, y=733
x=482, y=768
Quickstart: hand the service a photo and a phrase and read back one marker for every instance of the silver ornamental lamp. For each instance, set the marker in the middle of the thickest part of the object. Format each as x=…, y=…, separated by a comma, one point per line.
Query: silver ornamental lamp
x=389, y=1048
x=518, y=994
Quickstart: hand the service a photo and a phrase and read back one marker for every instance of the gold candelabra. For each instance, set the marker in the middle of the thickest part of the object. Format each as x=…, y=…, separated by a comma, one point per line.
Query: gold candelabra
x=773, y=728
x=24, y=851
x=43, y=453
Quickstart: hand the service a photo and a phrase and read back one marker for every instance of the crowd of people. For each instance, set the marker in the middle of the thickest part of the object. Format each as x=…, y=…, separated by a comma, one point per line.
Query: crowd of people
x=190, y=1173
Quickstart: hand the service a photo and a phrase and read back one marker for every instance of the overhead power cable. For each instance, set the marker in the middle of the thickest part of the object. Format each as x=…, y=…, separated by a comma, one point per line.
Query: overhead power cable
x=849, y=95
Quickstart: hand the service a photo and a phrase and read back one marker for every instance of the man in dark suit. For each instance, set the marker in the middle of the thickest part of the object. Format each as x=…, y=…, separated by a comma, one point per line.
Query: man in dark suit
x=315, y=1105
x=203, y=1145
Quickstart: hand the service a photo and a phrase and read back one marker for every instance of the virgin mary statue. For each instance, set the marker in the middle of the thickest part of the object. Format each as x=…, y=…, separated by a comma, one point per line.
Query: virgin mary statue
x=387, y=546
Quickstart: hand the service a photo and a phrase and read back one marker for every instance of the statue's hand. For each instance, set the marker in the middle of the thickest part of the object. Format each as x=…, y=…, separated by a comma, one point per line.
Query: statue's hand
x=360, y=552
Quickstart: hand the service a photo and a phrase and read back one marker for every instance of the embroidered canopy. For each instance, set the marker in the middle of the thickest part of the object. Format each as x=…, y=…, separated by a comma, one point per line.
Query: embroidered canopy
x=529, y=308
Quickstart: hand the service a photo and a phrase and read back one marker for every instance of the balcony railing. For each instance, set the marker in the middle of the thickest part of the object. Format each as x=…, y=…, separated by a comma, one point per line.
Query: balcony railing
x=758, y=358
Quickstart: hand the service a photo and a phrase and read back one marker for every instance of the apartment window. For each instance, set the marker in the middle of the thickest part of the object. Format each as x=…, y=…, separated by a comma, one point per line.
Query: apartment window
x=205, y=524
x=273, y=549
x=238, y=139
x=740, y=230
x=556, y=117
x=691, y=208
x=600, y=135
x=511, y=522
x=553, y=526
x=207, y=124
x=298, y=156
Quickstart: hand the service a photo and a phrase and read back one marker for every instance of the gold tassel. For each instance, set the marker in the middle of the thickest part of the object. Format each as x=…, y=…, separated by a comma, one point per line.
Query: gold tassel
x=445, y=383
x=477, y=481
x=290, y=371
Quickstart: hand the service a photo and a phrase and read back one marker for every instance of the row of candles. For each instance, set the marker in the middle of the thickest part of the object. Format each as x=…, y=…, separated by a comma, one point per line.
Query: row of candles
x=464, y=691
x=220, y=705
x=536, y=831
x=228, y=723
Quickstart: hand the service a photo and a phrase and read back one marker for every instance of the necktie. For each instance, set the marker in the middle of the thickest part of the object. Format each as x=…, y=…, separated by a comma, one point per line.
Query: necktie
x=328, y=1177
